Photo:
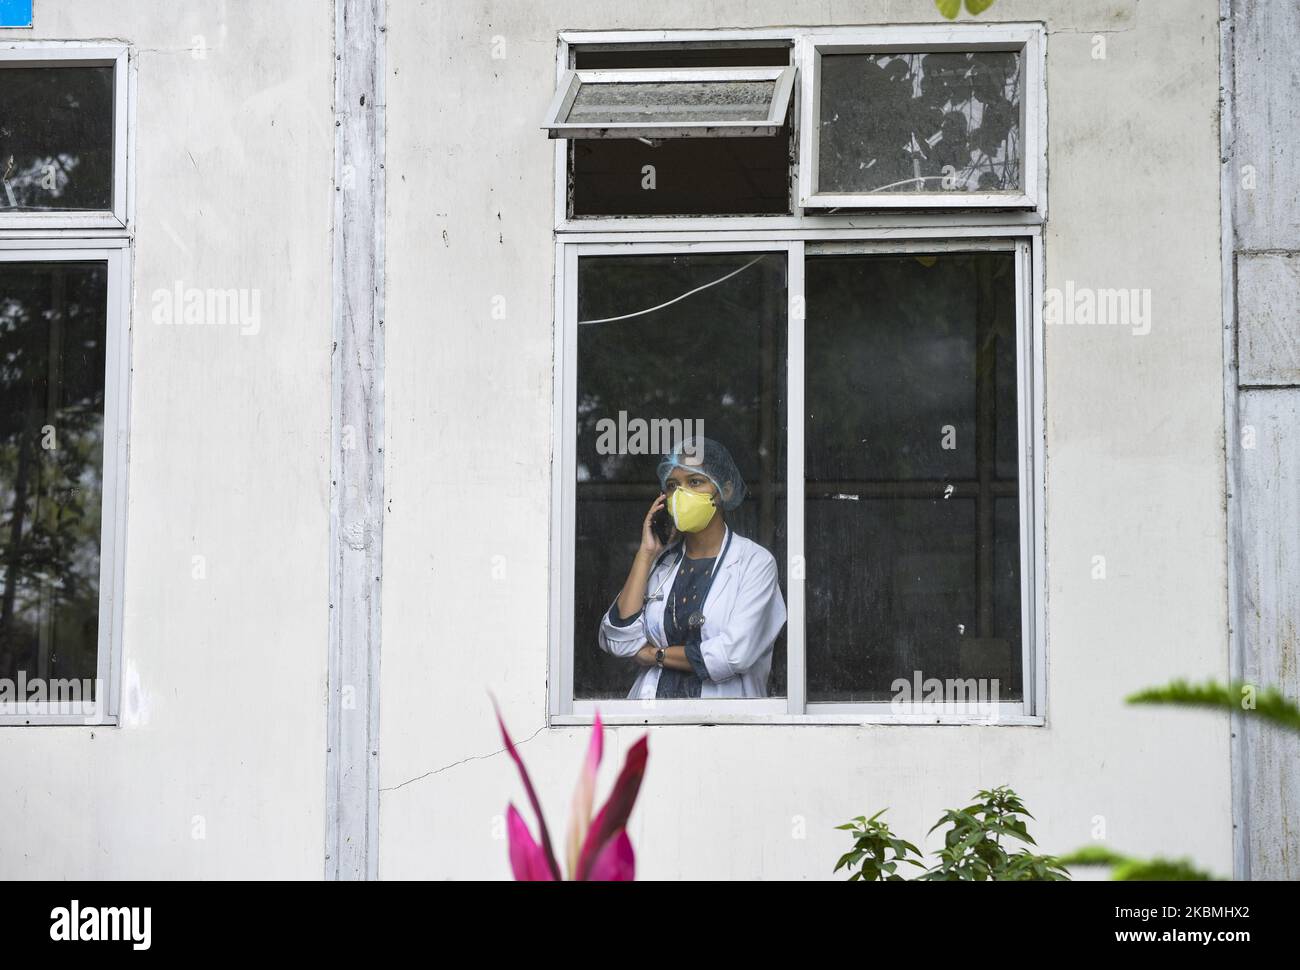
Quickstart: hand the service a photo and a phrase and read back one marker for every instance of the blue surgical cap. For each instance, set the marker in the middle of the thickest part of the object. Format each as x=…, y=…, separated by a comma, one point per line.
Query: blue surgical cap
x=710, y=459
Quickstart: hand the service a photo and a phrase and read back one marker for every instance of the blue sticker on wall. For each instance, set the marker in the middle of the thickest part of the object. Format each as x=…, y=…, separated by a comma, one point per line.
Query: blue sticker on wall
x=15, y=13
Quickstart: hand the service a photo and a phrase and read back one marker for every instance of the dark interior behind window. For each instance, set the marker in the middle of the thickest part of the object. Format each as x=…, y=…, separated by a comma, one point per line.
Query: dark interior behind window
x=693, y=176
x=911, y=506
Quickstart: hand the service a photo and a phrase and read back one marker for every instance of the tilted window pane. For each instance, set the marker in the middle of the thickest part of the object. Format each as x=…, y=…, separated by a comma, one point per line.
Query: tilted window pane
x=921, y=122
x=912, y=515
x=675, y=101
x=56, y=138
x=715, y=359
x=52, y=344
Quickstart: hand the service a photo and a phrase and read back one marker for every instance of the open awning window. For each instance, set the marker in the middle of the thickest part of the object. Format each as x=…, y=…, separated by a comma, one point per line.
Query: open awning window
x=671, y=103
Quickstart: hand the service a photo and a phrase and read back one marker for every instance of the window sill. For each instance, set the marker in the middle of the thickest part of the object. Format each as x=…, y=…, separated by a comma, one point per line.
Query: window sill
x=90, y=719
x=650, y=719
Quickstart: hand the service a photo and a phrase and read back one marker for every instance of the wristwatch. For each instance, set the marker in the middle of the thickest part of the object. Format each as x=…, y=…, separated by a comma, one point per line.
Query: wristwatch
x=659, y=657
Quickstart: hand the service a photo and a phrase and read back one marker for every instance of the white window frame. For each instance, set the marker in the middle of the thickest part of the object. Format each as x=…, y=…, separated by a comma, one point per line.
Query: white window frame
x=779, y=108
x=93, y=236
x=116, y=254
x=20, y=53
x=1024, y=39
x=951, y=227
x=875, y=209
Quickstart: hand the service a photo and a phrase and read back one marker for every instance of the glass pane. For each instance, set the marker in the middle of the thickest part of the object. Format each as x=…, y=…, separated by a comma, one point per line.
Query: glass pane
x=52, y=333
x=715, y=358
x=672, y=101
x=56, y=138
x=935, y=122
x=912, y=513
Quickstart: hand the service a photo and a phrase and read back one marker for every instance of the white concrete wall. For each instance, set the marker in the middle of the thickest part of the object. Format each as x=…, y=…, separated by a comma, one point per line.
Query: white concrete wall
x=225, y=706
x=224, y=714
x=1135, y=469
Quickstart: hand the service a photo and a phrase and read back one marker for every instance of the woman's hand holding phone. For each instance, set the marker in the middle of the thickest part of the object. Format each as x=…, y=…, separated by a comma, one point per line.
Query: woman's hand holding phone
x=653, y=540
x=657, y=531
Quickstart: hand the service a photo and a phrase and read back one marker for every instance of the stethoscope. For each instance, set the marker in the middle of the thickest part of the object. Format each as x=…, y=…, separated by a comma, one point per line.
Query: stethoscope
x=696, y=619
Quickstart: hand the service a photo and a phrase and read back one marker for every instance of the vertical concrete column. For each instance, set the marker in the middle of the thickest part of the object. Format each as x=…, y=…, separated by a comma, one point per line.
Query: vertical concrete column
x=357, y=442
x=1261, y=157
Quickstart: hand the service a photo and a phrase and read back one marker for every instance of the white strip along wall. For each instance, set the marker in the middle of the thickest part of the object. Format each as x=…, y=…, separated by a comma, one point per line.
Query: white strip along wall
x=357, y=436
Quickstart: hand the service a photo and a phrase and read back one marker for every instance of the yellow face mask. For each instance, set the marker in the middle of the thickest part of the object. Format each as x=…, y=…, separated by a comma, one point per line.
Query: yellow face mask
x=691, y=511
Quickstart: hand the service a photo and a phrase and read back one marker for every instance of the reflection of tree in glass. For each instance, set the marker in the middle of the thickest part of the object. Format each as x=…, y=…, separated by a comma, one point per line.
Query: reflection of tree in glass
x=52, y=329
x=920, y=122
x=56, y=138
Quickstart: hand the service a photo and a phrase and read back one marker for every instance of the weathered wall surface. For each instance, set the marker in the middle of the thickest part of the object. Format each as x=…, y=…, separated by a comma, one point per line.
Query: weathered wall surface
x=1135, y=469
x=1265, y=260
x=223, y=705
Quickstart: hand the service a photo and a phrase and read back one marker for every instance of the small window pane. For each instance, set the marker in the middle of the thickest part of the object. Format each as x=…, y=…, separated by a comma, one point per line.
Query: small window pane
x=56, y=138
x=52, y=346
x=912, y=514
x=716, y=357
x=666, y=102
x=735, y=176
x=921, y=123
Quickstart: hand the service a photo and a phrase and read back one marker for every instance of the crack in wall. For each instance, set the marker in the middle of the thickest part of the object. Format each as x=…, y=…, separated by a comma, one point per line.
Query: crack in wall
x=462, y=761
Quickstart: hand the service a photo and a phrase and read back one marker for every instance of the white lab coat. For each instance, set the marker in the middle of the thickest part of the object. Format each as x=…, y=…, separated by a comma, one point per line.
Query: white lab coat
x=743, y=614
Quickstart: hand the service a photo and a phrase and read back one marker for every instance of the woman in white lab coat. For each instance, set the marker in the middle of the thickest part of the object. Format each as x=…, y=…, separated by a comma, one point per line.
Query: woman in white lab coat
x=698, y=613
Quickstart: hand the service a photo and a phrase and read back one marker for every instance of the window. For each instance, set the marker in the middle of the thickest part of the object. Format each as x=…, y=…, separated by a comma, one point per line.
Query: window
x=904, y=117
x=914, y=461
x=729, y=379
x=64, y=306
x=874, y=376
x=965, y=105
x=625, y=171
x=63, y=136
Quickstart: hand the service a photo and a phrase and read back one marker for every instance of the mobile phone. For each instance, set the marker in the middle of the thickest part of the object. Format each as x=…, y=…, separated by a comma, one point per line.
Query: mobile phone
x=661, y=524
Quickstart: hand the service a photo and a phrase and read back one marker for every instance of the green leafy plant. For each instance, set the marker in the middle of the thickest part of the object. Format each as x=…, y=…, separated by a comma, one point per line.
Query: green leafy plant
x=877, y=851
x=1127, y=869
x=1267, y=704
x=950, y=8
x=973, y=849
